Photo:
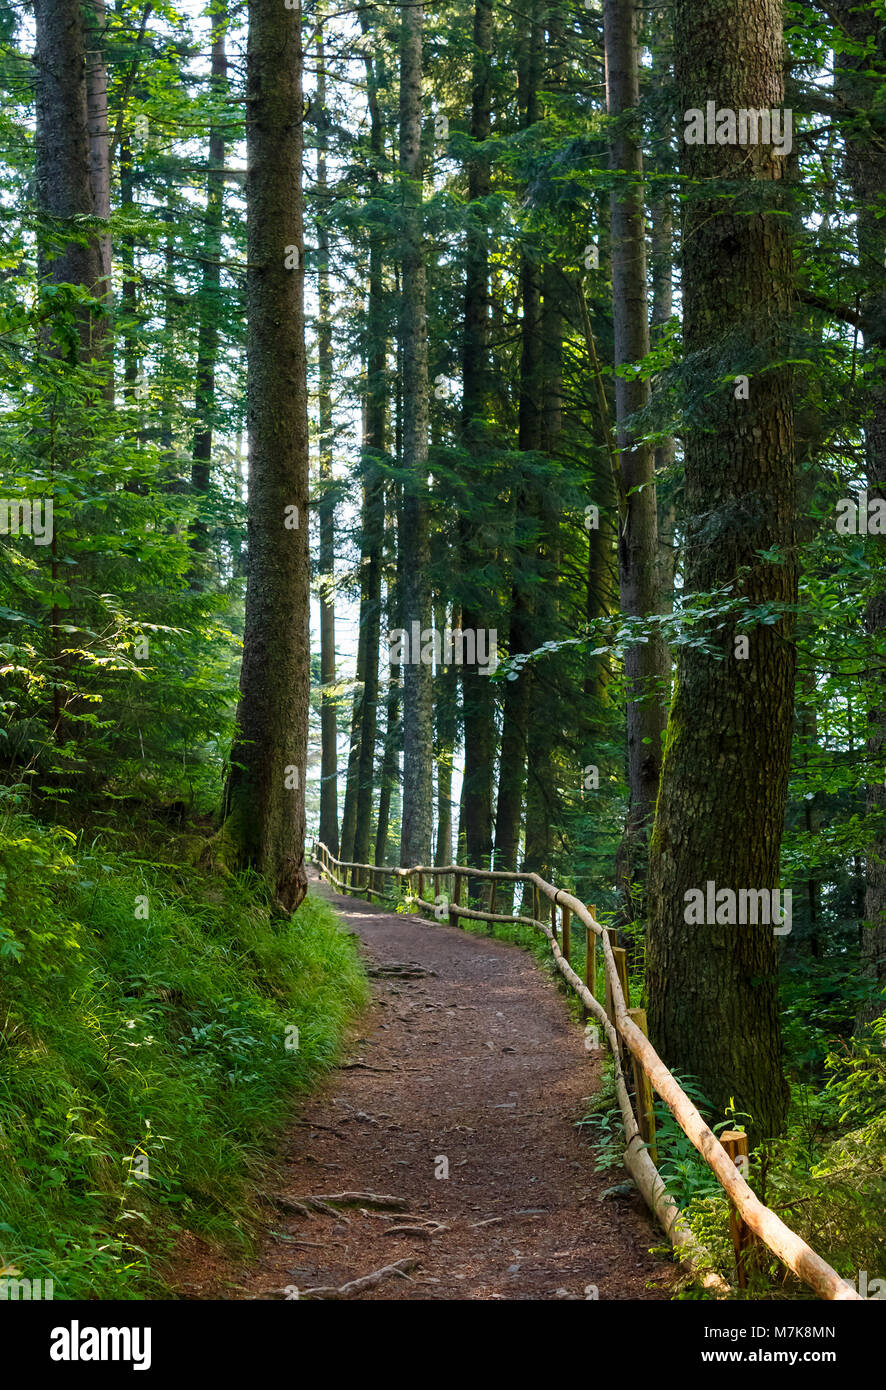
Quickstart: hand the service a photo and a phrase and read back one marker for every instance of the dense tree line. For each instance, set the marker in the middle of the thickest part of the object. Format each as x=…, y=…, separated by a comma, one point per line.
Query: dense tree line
x=527, y=365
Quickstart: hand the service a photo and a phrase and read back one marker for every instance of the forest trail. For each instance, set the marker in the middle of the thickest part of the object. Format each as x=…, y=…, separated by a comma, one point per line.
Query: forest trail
x=476, y=1061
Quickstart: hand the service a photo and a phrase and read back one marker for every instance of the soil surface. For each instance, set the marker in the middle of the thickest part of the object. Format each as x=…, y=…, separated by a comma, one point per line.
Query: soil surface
x=459, y=1097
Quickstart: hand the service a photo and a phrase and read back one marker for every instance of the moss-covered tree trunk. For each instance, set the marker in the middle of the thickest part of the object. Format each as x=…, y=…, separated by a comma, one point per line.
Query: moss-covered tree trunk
x=265, y=796
x=713, y=999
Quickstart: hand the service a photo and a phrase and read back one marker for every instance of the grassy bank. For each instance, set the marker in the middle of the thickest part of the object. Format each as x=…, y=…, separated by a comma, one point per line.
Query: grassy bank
x=155, y=1026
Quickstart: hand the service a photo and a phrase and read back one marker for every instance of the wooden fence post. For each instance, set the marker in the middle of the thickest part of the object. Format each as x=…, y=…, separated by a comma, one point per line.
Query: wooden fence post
x=621, y=966
x=489, y=904
x=736, y=1145
x=453, y=905
x=554, y=918
x=566, y=942
x=643, y=1088
x=613, y=942
x=620, y=956
x=591, y=958
x=421, y=887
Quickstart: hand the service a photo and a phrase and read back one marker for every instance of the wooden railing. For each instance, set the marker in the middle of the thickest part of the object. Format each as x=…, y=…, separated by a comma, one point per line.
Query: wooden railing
x=624, y=1030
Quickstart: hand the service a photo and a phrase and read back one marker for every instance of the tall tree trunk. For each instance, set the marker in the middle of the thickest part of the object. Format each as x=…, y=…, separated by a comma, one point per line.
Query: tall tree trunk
x=328, y=722
x=128, y=292
x=349, y=811
x=445, y=729
x=389, y=765
x=390, y=756
x=601, y=593
x=478, y=695
x=418, y=734
x=168, y=351
x=210, y=290
x=65, y=194
x=515, y=723
x=543, y=806
x=99, y=144
x=372, y=531
x=374, y=440
x=265, y=797
x=63, y=172
x=647, y=667
x=860, y=77
x=713, y=997
x=663, y=248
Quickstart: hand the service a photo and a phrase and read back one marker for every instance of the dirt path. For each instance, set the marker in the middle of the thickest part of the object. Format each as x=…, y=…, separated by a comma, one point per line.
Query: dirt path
x=474, y=1066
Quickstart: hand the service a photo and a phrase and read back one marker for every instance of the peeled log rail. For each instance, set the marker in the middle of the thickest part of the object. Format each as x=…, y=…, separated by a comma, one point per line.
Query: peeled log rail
x=815, y=1272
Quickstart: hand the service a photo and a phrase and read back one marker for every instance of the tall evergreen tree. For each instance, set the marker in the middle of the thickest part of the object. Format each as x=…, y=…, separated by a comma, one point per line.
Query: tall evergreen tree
x=418, y=733
x=646, y=664
x=328, y=830
x=265, y=794
x=713, y=1002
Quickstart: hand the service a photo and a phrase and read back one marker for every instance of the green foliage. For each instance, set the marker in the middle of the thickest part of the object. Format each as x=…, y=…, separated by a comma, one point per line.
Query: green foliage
x=163, y=1038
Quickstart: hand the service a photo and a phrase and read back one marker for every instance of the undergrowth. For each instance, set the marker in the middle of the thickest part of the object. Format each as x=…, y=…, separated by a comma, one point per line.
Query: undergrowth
x=155, y=1027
